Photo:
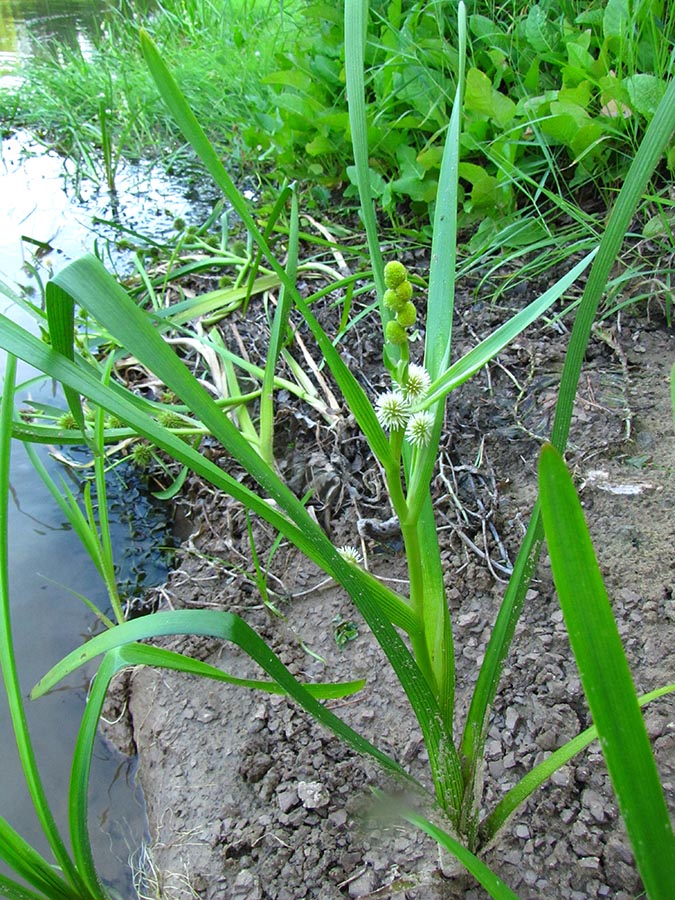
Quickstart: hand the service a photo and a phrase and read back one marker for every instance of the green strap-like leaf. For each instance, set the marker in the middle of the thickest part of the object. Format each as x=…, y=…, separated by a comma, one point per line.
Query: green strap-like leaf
x=13, y=891
x=356, y=30
x=484, y=875
x=126, y=406
x=212, y=623
x=606, y=678
x=642, y=167
x=92, y=287
x=59, y=308
x=121, y=650
x=24, y=861
x=536, y=777
x=8, y=666
x=145, y=628
x=487, y=349
x=358, y=403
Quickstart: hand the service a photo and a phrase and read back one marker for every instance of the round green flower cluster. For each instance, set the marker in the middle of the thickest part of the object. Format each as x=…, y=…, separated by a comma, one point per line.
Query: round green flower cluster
x=397, y=298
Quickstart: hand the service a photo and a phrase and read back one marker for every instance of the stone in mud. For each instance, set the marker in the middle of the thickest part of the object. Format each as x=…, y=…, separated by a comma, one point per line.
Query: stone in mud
x=313, y=795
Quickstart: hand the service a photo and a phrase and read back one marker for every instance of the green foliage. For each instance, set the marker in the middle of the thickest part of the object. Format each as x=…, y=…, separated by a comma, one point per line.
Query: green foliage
x=555, y=92
x=558, y=81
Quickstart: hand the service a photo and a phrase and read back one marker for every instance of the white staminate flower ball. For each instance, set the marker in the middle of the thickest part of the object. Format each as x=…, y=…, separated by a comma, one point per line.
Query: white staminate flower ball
x=417, y=383
x=419, y=428
x=393, y=410
x=350, y=555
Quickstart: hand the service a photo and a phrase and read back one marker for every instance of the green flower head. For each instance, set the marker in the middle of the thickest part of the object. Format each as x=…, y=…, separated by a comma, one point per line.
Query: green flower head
x=392, y=300
x=395, y=333
x=406, y=316
x=395, y=273
x=404, y=291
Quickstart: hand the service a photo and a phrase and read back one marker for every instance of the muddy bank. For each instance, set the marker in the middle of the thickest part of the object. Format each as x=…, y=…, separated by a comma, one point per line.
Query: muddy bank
x=248, y=800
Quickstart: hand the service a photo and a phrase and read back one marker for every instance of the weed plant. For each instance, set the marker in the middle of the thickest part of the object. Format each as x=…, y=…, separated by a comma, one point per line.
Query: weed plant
x=403, y=428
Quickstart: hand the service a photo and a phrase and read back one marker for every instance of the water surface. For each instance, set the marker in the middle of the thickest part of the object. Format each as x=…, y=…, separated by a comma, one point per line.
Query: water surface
x=29, y=27
x=48, y=567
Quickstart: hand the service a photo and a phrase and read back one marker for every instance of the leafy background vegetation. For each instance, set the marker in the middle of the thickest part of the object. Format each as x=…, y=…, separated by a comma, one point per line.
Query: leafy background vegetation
x=558, y=95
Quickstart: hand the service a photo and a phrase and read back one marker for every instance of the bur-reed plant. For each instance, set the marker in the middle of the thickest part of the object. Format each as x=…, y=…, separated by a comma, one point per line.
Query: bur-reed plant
x=403, y=429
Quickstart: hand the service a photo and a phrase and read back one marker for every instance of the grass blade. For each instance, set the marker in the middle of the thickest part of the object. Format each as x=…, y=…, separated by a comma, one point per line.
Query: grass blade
x=7, y=658
x=606, y=678
x=133, y=410
x=277, y=340
x=485, y=876
x=536, y=777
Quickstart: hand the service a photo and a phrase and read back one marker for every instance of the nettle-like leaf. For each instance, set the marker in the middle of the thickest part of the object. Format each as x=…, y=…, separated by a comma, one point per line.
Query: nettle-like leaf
x=645, y=92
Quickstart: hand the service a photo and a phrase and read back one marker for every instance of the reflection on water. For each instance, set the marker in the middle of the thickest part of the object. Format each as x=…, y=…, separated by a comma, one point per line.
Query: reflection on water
x=29, y=26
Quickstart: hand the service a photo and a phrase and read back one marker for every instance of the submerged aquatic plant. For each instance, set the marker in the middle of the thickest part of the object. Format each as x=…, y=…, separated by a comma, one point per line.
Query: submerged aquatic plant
x=403, y=429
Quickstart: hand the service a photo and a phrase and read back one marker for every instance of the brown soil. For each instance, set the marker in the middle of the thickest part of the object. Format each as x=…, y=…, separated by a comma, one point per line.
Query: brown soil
x=250, y=800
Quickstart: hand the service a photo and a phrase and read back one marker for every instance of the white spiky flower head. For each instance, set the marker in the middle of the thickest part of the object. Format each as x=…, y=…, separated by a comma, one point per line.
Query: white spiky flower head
x=419, y=428
x=393, y=410
x=416, y=384
x=350, y=554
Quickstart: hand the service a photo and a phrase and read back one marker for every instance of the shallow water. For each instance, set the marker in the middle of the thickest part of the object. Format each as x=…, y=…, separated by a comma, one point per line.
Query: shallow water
x=27, y=27
x=46, y=560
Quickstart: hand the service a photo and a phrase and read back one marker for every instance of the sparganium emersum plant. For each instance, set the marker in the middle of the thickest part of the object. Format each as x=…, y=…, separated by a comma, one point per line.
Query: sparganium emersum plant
x=402, y=426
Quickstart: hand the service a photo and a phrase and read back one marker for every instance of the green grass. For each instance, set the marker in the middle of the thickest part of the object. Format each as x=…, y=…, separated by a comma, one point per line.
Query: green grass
x=219, y=51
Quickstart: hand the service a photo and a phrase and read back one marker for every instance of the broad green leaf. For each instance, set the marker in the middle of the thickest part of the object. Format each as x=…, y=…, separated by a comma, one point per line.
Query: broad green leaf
x=289, y=78
x=539, y=32
x=478, y=92
x=606, y=678
x=616, y=21
x=645, y=92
